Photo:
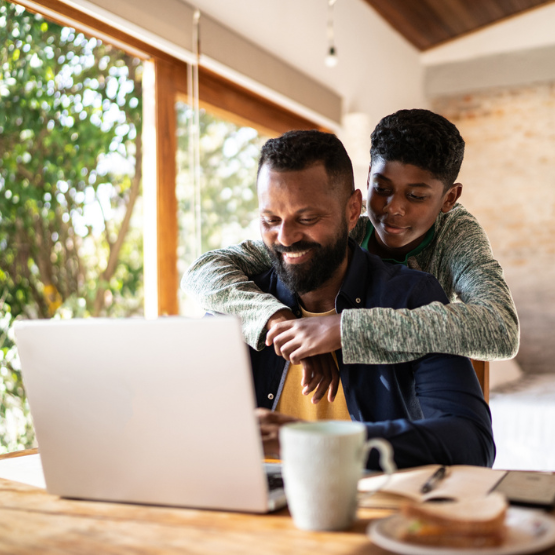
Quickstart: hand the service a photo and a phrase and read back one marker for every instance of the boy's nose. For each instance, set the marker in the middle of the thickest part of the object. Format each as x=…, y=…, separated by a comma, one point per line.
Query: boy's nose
x=395, y=206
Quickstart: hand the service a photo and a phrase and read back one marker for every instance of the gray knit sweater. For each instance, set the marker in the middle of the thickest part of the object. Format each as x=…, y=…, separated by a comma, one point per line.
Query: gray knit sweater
x=480, y=322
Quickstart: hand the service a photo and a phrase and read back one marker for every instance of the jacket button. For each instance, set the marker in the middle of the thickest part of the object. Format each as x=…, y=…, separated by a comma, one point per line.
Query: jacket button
x=270, y=396
x=357, y=300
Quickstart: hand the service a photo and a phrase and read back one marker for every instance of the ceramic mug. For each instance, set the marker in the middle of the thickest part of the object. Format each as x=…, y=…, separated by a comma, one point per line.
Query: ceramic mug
x=321, y=465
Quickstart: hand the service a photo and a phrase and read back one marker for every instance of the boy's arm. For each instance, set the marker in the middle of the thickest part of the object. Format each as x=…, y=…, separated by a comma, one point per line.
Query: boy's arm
x=483, y=326
x=218, y=281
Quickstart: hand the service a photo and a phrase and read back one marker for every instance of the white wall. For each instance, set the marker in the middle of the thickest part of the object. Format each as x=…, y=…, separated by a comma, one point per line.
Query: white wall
x=378, y=70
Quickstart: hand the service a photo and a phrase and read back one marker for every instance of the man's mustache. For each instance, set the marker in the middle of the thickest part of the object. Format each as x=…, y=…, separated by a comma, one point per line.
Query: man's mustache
x=296, y=247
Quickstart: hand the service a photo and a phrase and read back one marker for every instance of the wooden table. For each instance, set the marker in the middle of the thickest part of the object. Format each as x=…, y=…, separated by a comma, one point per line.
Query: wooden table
x=33, y=521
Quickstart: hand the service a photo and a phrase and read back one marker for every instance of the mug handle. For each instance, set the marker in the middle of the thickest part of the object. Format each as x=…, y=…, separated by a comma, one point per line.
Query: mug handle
x=386, y=454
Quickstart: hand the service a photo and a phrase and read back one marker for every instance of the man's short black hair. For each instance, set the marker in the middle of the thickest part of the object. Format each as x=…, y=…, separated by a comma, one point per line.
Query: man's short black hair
x=423, y=139
x=298, y=150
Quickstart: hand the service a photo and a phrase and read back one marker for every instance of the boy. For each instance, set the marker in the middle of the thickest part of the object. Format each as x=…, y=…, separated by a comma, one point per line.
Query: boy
x=413, y=219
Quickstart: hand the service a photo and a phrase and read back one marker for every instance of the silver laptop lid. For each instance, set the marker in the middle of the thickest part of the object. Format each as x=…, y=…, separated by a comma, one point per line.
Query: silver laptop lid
x=143, y=411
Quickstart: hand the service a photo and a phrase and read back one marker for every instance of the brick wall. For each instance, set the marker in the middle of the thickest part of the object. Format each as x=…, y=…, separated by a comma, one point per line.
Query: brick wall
x=509, y=185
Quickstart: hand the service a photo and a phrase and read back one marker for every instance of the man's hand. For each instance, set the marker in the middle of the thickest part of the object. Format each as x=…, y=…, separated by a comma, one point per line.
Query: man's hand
x=270, y=423
x=320, y=373
x=319, y=369
x=297, y=339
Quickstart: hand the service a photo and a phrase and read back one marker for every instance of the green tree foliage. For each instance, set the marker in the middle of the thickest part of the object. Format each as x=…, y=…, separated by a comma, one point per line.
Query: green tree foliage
x=70, y=172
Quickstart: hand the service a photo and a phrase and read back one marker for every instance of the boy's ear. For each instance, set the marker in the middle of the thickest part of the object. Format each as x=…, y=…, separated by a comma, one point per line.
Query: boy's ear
x=354, y=208
x=368, y=178
x=451, y=197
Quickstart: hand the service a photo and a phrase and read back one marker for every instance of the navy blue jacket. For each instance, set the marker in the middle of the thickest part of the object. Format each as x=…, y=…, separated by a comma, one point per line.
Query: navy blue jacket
x=431, y=410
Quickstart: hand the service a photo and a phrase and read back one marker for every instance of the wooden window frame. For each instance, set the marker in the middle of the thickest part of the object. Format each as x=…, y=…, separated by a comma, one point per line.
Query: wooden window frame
x=217, y=94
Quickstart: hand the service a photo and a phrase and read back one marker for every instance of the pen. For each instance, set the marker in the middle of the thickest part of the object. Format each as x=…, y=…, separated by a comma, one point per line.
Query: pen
x=432, y=481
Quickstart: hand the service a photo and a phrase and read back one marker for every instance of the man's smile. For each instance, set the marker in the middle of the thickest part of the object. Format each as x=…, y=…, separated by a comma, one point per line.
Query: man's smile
x=295, y=257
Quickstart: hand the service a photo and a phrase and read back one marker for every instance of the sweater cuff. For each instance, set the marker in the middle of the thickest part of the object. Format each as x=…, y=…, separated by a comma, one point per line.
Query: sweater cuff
x=255, y=332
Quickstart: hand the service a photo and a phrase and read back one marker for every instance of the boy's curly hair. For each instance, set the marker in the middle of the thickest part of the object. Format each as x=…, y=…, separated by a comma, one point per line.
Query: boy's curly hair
x=298, y=150
x=423, y=139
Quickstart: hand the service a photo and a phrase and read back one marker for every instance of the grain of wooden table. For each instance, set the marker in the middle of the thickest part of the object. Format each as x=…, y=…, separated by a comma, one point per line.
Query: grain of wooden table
x=33, y=521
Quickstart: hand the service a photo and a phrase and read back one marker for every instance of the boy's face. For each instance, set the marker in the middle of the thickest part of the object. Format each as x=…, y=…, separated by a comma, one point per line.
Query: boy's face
x=403, y=203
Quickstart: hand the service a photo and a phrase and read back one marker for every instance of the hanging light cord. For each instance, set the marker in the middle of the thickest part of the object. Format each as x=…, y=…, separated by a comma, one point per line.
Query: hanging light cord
x=331, y=58
x=194, y=132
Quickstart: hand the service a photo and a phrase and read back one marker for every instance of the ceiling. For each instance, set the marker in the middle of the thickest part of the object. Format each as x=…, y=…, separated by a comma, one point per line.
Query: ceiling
x=427, y=23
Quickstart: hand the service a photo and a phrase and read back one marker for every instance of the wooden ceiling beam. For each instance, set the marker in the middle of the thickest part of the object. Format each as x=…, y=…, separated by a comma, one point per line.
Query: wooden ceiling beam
x=427, y=23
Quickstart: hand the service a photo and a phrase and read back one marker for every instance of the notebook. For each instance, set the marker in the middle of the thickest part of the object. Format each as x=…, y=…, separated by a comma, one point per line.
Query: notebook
x=157, y=412
x=461, y=482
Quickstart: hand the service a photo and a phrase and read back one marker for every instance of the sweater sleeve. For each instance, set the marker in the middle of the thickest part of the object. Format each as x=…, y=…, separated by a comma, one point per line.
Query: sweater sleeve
x=218, y=281
x=483, y=325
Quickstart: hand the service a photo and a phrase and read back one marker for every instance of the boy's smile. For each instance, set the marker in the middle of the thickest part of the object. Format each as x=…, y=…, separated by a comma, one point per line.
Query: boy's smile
x=403, y=203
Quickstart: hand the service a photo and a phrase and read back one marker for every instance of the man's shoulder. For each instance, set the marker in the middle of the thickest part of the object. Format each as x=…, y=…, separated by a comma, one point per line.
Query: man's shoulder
x=386, y=284
x=266, y=280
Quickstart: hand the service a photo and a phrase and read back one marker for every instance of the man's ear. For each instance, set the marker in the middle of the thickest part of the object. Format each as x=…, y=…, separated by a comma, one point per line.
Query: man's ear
x=451, y=197
x=354, y=208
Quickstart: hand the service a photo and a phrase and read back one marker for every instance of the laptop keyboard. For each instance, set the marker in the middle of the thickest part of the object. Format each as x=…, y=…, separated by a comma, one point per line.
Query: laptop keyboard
x=275, y=481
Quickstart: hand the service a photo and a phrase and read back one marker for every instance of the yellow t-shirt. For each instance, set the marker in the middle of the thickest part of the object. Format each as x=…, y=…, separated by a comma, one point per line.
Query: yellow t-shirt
x=293, y=403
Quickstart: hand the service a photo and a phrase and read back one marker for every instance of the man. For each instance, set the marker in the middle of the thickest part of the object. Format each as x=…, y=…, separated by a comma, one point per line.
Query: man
x=414, y=219
x=431, y=409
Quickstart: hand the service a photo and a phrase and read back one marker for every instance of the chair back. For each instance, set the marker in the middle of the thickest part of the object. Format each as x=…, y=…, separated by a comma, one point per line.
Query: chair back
x=481, y=367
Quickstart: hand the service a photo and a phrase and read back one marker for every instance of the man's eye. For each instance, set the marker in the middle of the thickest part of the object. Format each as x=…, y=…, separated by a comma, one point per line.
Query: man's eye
x=270, y=221
x=381, y=190
x=307, y=221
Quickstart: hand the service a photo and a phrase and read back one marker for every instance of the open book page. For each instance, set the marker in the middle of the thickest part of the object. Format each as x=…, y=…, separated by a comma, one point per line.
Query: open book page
x=460, y=483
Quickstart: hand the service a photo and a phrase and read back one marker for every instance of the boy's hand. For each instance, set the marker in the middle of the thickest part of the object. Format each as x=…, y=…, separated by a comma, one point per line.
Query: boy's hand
x=270, y=423
x=299, y=338
x=280, y=316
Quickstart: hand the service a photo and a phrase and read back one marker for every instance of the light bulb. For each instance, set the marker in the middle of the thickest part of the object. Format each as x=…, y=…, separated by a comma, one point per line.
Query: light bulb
x=331, y=58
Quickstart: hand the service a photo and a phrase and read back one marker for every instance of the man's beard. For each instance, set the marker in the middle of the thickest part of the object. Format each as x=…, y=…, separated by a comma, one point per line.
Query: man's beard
x=312, y=274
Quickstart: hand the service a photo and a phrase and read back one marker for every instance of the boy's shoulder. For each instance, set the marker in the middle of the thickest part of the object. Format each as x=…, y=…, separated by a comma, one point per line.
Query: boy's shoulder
x=458, y=217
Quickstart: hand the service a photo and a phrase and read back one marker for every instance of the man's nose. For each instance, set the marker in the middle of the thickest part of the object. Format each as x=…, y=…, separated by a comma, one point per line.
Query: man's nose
x=289, y=234
x=395, y=206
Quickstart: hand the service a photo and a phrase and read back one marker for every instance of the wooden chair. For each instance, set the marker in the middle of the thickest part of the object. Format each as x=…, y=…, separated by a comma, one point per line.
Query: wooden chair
x=481, y=367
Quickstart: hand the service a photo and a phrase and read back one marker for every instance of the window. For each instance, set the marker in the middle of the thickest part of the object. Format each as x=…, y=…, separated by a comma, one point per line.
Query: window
x=224, y=210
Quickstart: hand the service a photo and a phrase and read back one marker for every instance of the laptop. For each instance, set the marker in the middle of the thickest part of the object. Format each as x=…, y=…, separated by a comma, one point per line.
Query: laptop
x=147, y=411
